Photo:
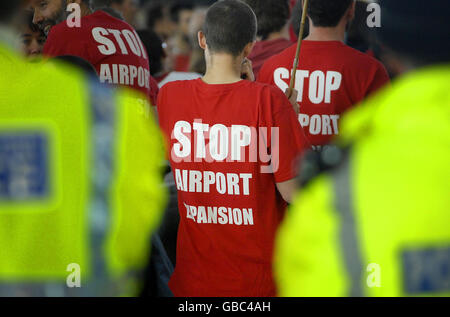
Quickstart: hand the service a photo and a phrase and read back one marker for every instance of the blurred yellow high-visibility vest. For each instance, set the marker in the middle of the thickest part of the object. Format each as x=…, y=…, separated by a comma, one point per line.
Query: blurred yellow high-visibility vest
x=379, y=224
x=80, y=183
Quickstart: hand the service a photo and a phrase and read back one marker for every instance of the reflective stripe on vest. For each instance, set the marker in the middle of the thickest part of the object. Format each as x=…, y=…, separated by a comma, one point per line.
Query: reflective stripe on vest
x=348, y=232
x=102, y=149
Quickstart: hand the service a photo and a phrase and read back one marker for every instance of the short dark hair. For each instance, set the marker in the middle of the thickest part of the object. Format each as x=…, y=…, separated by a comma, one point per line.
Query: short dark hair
x=296, y=22
x=229, y=26
x=327, y=13
x=7, y=9
x=272, y=15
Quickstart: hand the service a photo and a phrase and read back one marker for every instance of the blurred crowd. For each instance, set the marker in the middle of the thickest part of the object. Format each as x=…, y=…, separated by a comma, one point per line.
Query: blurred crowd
x=169, y=30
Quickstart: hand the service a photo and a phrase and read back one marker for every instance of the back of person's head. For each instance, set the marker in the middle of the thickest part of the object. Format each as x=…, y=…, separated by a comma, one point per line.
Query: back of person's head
x=416, y=31
x=154, y=46
x=8, y=10
x=230, y=25
x=296, y=18
x=327, y=13
x=272, y=15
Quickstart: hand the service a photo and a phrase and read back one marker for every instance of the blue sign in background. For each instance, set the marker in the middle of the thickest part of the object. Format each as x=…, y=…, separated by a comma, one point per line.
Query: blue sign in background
x=24, y=166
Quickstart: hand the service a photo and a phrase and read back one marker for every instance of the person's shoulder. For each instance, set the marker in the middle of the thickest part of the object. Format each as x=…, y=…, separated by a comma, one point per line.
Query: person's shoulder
x=267, y=93
x=285, y=55
x=287, y=52
x=265, y=88
x=64, y=31
x=358, y=57
x=282, y=59
x=177, y=85
x=178, y=76
x=100, y=17
x=253, y=87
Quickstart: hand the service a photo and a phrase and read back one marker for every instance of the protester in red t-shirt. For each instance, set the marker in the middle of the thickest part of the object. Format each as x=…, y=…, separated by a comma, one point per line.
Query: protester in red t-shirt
x=111, y=45
x=233, y=145
x=273, y=30
x=331, y=76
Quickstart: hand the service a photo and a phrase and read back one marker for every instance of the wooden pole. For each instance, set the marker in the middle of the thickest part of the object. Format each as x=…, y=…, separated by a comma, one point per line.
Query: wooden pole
x=299, y=44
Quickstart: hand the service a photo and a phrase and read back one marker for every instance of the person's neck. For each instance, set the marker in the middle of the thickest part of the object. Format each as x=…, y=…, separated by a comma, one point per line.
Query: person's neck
x=222, y=68
x=327, y=33
x=283, y=34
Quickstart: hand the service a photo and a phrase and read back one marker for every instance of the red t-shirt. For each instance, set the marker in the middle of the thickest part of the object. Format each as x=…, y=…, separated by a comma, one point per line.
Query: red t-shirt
x=265, y=49
x=154, y=90
x=111, y=45
x=228, y=202
x=342, y=77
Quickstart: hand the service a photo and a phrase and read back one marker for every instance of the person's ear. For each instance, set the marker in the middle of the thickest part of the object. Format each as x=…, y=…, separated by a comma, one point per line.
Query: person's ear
x=248, y=48
x=201, y=39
